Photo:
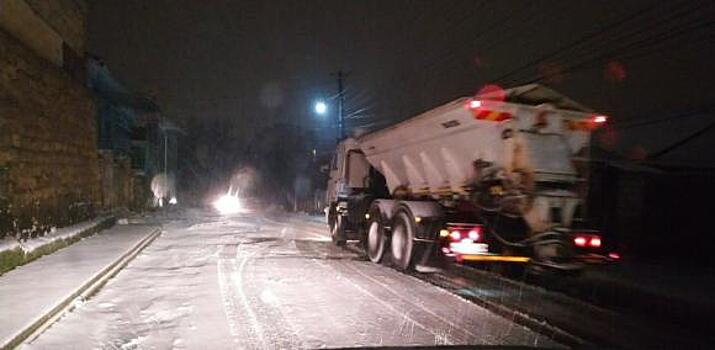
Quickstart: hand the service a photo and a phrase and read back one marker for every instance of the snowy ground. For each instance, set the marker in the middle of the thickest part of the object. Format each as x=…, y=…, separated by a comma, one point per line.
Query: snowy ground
x=253, y=281
x=30, y=291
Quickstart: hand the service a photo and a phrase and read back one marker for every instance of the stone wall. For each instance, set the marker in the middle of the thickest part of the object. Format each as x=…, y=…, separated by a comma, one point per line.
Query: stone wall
x=117, y=181
x=48, y=153
x=66, y=17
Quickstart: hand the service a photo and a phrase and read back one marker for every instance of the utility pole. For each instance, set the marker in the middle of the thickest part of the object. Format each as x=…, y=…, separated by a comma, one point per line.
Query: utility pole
x=341, y=100
x=341, y=131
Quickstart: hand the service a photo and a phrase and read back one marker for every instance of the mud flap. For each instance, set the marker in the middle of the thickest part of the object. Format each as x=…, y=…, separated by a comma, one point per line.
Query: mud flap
x=555, y=258
x=430, y=259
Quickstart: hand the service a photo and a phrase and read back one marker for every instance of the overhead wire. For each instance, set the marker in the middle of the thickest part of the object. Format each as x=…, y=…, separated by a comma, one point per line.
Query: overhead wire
x=631, y=50
x=585, y=40
x=635, y=43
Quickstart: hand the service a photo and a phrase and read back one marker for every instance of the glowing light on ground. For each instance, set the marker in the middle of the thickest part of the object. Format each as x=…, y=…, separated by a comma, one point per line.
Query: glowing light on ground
x=228, y=203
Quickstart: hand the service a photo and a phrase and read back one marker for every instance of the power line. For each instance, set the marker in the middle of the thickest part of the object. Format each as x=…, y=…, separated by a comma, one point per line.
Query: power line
x=580, y=41
x=590, y=63
x=683, y=141
x=629, y=48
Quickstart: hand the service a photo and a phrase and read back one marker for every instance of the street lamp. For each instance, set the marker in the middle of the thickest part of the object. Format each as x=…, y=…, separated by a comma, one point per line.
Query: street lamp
x=321, y=107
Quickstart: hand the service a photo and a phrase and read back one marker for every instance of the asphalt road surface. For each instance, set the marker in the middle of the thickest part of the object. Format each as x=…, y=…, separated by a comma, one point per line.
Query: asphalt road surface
x=269, y=281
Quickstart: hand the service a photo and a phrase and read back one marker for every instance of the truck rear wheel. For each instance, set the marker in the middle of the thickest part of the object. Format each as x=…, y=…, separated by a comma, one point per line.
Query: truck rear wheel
x=375, y=239
x=402, y=242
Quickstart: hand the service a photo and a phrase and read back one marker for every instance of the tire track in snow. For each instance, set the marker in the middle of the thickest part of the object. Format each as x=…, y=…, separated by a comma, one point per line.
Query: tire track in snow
x=230, y=276
x=471, y=335
x=233, y=285
x=439, y=337
x=280, y=333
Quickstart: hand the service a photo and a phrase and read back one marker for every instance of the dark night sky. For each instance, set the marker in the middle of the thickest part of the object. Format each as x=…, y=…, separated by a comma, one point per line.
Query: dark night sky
x=261, y=62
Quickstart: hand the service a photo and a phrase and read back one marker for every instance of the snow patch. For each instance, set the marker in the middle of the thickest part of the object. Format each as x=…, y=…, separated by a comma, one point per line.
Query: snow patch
x=132, y=344
x=30, y=245
x=7, y=244
x=106, y=305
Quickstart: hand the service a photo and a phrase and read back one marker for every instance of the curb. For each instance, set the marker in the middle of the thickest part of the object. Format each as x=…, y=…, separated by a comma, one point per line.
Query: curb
x=84, y=292
x=56, y=245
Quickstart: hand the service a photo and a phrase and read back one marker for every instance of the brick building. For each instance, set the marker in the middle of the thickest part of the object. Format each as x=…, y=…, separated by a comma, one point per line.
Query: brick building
x=49, y=173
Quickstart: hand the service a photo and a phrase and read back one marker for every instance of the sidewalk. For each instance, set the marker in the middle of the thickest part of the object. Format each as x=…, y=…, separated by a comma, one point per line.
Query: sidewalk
x=33, y=293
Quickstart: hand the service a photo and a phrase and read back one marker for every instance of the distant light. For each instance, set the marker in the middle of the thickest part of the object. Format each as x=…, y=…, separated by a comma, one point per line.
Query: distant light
x=228, y=204
x=614, y=256
x=418, y=219
x=446, y=250
x=321, y=107
x=474, y=104
x=600, y=119
x=173, y=201
x=443, y=233
x=595, y=242
x=367, y=216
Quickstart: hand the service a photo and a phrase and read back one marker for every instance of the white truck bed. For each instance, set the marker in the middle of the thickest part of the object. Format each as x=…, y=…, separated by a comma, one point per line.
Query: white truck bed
x=435, y=151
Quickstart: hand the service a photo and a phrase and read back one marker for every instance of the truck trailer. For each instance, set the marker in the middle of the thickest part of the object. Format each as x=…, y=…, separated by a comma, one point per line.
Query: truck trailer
x=498, y=178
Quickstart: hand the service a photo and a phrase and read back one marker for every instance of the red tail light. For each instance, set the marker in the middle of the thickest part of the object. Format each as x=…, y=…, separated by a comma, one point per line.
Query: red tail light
x=455, y=235
x=587, y=240
x=474, y=234
x=599, y=119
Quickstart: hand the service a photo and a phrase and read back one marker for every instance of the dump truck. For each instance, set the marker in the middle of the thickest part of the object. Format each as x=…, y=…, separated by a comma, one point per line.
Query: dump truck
x=498, y=178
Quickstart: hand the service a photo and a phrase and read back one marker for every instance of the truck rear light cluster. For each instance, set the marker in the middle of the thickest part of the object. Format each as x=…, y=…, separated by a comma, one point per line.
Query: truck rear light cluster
x=583, y=241
x=457, y=234
x=599, y=119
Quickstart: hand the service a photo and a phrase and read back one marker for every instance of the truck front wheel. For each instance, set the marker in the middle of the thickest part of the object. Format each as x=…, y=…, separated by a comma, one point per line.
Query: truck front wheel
x=402, y=242
x=337, y=231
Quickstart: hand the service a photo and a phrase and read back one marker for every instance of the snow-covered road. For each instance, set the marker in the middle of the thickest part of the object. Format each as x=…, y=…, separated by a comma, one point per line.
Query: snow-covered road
x=271, y=282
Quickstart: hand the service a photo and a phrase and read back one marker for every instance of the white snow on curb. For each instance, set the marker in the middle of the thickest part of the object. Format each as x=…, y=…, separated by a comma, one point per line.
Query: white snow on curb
x=30, y=245
x=8, y=244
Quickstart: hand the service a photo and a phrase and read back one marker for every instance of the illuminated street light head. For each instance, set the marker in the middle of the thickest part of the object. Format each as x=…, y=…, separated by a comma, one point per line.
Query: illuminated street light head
x=321, y=107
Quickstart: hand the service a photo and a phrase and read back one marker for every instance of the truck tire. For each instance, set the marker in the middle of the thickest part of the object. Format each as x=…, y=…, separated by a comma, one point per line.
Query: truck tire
x=375, y=237
x=337, y=231
x=402, y=242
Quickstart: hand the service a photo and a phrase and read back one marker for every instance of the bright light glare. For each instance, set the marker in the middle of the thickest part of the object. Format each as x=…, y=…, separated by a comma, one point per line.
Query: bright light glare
x=474, y=235
x=600, y=119
x=321, y=107
x=473, y=104
x=228, y=204
x=455, y=235
x=173, y=201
